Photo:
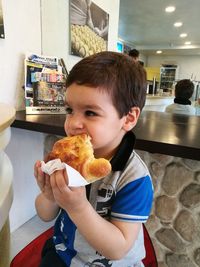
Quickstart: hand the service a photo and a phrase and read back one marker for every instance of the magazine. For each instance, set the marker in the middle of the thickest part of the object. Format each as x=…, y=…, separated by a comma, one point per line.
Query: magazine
x=48, y=94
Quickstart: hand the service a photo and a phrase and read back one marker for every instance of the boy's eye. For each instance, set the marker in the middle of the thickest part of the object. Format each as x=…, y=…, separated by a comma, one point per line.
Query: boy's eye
x=90, y=113
x=68, y=110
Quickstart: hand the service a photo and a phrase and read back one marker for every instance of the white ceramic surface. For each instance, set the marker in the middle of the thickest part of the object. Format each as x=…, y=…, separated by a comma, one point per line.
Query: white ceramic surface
x=7, y=116
x=6, y=191
x=6, y=171
x=5, y=138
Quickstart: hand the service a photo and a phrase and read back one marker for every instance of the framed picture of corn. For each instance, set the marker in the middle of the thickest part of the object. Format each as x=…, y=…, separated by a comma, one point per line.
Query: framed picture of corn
x=89, y=28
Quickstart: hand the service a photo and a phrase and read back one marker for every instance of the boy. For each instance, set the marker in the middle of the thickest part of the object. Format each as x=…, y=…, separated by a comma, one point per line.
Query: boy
x=105, y=95
x=134, y=53
x=183, y=92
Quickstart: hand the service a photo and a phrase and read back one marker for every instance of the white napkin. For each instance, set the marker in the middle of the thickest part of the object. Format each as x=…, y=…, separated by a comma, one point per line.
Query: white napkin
x=74, y=177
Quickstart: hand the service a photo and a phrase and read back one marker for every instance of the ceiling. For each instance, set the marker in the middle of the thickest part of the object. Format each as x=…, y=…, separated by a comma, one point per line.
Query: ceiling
x=144, y=24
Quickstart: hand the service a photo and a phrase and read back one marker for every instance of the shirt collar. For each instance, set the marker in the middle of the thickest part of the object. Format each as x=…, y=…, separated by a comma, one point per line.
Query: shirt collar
x=182, y=101
x=124, y=151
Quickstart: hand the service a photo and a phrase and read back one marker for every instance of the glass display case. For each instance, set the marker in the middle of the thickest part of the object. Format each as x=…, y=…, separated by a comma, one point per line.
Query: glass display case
x=168, y=75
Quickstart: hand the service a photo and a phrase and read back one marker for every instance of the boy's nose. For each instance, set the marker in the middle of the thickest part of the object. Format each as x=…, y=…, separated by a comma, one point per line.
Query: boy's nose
x=76, y=123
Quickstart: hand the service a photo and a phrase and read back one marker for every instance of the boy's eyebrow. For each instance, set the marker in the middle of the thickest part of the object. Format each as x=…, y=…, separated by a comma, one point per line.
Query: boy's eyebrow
x=93, y=107
x=96, y=107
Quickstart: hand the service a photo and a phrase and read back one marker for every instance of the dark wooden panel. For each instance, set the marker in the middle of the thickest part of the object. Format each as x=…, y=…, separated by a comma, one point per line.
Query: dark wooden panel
x=156, y=132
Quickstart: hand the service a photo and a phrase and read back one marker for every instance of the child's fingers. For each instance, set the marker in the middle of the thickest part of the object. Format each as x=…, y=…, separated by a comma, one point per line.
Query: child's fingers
x=59, y=181
x=47, y=182
x=65, y=176
x=40, y=176
x=36, y=166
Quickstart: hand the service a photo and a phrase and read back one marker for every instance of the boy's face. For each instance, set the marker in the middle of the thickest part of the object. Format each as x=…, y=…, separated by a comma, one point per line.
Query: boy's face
x=91, y=111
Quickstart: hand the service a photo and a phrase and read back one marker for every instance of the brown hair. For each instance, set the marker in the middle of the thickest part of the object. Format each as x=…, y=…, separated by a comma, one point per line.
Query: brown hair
x=184, y=89
x=115, y=73
x=134, y=53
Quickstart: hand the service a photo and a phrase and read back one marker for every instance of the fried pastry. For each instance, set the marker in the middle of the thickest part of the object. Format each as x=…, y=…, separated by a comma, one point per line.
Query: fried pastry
x=77, y=152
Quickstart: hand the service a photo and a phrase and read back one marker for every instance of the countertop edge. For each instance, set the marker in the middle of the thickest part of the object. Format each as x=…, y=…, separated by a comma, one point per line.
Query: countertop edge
x=151, y=146
x=168, y=149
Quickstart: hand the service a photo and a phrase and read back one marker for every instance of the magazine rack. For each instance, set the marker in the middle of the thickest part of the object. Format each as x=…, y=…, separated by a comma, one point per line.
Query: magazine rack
x=45, y=79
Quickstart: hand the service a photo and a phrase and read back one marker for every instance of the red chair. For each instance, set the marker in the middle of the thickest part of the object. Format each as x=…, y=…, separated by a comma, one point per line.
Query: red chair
x=150, y=260
x=30, y=255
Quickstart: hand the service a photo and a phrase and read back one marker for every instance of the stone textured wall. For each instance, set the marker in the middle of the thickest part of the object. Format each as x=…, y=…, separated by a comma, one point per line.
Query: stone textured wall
x=174, y=223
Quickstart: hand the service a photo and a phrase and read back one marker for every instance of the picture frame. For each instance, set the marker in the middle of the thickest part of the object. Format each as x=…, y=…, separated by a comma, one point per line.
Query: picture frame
x=2, y=33
x=89, y=26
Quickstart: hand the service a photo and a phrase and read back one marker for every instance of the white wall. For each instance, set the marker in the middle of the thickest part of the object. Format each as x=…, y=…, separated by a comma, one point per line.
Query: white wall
x=189, y=66
x=22, y=34
x=24, y=149
x=55, y=32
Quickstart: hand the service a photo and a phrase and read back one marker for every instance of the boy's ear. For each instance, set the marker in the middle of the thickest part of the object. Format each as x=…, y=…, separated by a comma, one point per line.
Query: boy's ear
x=131, y=119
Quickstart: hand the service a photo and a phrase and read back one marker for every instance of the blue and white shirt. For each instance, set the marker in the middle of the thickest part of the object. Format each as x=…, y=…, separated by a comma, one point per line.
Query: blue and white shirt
x=126, y=194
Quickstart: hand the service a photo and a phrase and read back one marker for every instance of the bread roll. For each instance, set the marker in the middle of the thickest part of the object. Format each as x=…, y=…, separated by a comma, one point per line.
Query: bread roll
x=77, y=152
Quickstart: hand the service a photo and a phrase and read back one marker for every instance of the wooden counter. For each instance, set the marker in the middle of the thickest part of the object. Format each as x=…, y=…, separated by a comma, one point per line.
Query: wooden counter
x=156, y=132
x=7, y=116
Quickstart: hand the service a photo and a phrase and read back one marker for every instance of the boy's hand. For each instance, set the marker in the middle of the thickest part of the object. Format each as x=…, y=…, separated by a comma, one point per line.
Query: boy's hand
x=43, y=181
x=72, y=199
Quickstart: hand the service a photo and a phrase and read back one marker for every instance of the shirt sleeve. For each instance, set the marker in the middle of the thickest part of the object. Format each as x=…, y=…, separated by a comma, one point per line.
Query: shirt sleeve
x=134, y=201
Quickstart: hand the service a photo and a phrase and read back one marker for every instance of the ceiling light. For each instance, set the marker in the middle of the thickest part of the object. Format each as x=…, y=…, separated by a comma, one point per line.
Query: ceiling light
x=158, y=52
x=188, y=43
x=183, y=35
x=170, y=9
x=178, y=24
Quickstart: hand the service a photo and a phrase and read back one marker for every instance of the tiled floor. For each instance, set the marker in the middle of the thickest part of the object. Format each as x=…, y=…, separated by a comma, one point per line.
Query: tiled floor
x=26, y=233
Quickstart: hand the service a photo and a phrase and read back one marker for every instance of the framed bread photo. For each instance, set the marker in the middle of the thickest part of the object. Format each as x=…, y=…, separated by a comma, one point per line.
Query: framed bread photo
x=89, y=28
